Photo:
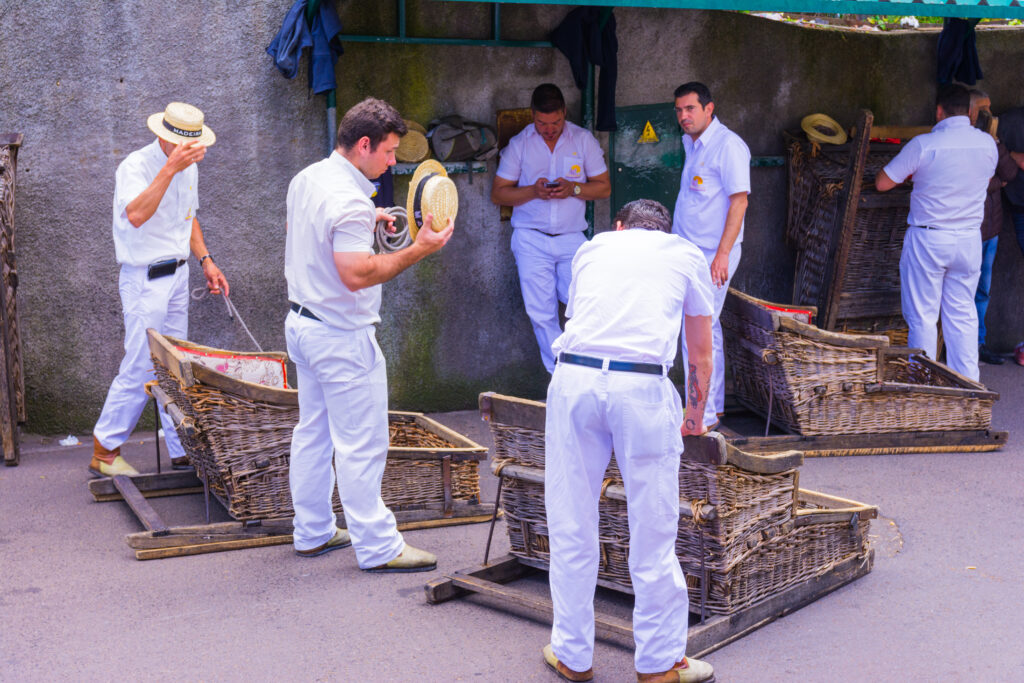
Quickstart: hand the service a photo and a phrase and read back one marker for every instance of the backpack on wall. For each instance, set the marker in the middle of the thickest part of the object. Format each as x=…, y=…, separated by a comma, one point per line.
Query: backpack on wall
x=454, y=138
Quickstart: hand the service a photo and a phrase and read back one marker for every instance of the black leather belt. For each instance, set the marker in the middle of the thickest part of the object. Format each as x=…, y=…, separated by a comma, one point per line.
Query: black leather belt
x=617, y=365
x=303, y=311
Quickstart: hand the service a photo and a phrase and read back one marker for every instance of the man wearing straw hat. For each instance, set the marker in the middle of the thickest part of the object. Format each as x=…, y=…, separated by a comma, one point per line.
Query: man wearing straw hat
x=711, y=207
x=155, y=227
x=632, y=289
x=547, y=173
x=334, y=288
x=941, y=260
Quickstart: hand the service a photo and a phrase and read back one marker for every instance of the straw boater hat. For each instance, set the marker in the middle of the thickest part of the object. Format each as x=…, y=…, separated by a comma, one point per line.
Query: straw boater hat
x=413, y=146
x=181, y=122
x=823, y=129
x=431, y=191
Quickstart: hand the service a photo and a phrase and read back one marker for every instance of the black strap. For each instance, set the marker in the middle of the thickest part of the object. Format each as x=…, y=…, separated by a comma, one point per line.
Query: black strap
x=417, y=213
x=617, y=365
x=182, y=132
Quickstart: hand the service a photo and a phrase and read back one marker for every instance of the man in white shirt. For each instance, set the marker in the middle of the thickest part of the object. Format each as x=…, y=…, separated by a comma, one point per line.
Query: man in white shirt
x=156, y=198
x=710, y=208
x=941, y=259
x=631, y=290
x=334, y=288
x=547, y=173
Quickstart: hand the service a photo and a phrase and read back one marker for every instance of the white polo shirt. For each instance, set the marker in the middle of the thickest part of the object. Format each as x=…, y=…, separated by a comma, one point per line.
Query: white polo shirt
x=166, y=234
x=526, y=159
x=717, y=165
x=629, y=292
x=951, y=167
x=329, y=210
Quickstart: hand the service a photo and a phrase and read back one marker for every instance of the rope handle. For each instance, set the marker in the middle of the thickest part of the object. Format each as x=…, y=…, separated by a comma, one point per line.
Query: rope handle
x=201, y=292
x=148, y=386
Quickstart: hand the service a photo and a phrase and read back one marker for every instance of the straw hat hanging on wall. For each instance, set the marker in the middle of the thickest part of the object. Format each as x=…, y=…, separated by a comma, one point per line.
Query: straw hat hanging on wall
x=431, y=191
x=413, y=146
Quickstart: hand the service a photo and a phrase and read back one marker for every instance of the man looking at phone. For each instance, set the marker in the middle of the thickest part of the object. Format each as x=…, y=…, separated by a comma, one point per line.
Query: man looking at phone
x=155, y=227
x=547, y=174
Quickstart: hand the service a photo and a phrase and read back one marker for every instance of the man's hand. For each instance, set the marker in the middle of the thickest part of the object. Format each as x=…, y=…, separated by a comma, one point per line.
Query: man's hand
x=720, y=269
x=541, y=190
x=184, y=155
x=383, y=215
x=431, y=241
x=215, y=280
x=563, y=191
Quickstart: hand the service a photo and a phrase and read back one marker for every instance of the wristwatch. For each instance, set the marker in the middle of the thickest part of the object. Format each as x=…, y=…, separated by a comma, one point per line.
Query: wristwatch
x=576, y=189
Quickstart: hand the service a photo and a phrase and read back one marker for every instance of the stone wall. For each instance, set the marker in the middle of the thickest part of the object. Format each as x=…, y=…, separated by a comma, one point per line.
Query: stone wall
x=78, y=80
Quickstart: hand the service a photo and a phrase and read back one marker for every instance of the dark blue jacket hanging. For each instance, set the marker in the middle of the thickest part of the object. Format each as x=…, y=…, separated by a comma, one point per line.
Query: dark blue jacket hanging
x=582, y=39
x=957, y=52
x=322, y=36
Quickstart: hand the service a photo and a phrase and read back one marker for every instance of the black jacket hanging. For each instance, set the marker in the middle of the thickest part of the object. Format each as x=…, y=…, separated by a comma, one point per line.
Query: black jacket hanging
x=957, y=53
x=583, y=40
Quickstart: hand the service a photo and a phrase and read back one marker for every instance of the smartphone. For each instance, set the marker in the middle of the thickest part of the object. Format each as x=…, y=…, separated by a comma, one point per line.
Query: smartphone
x=551, y=185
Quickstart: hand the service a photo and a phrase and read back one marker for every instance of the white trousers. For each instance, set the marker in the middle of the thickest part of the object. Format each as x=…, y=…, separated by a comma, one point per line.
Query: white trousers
x=939, y=272
x=588, y=413
x=545, y=270
x=343, y=407
x=716, y=393
x=163, y=305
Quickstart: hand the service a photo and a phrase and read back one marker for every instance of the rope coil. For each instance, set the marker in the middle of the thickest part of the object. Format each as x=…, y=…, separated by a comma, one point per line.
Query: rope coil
x=389, y=242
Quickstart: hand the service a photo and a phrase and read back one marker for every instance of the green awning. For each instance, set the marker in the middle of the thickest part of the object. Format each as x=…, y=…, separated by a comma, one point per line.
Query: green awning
x=986, y=9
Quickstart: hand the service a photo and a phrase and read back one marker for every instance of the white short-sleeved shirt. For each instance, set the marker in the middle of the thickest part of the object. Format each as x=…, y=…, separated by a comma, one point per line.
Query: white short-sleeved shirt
x=329, y=210
x=166, y=234
x=951, y=167
x=577, y=157
x=717, y=165
x=629, y=292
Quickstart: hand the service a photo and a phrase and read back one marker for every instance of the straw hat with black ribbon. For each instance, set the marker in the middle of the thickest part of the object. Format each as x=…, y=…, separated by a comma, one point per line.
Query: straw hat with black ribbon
x=181, y=122
x=431, y=191
x=823, y=129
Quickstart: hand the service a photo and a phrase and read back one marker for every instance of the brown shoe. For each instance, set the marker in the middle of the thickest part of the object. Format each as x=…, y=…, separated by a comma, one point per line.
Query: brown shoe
x=562, y=670
x=687, y=671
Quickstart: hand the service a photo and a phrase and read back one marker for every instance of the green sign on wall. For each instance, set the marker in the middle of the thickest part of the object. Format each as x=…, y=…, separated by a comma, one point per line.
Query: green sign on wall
x=646, y=154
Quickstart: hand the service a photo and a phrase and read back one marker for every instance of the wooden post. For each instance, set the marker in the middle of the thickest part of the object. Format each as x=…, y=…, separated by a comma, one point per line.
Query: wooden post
x=12, y=387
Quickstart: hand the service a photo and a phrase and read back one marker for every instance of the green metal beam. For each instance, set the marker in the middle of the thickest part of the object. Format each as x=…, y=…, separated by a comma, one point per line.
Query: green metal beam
x=984, y=9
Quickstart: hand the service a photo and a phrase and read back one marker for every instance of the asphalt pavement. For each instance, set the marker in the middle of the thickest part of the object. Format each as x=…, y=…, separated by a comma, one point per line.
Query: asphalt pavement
x=945, y=600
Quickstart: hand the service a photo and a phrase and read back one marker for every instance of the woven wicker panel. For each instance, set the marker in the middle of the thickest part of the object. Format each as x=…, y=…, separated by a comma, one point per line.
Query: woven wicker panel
x=763, y=564
x=870, y=282
x=816, y=388
x=242, y=448
x=779, y=563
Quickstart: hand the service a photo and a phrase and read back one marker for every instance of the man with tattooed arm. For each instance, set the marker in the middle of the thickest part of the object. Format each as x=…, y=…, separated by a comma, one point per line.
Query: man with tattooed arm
x=632, y=289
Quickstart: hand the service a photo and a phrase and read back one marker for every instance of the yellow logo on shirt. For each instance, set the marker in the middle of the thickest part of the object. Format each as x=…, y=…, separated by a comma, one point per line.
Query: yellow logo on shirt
x=575, y=169
x=189, y=216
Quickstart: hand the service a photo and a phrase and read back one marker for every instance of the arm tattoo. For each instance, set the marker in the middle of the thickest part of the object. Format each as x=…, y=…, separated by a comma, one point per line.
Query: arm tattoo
x=693, y=393
x=690, y=424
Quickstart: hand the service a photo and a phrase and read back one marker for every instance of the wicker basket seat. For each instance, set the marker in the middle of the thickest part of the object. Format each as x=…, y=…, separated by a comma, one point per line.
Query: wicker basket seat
x=810, y=381
x=237, y=434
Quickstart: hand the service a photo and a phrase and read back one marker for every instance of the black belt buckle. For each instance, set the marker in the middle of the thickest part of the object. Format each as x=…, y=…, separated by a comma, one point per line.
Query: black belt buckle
x=162, y=268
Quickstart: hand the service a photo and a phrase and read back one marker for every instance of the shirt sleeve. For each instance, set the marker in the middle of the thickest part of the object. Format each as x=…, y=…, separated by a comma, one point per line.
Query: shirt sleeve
x=129, y=182
x=699, y=300
x=905, y=163
x=353, y=230
x=736, y=167
x=510, y=165
x=593, y=157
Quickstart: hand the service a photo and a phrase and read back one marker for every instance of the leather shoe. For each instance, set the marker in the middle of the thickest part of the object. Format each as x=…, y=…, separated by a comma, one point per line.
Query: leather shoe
x=117, y=465
x=562, y=670
x=686, y=671
x=986, y=356
x=409, y=560
x=339, y=540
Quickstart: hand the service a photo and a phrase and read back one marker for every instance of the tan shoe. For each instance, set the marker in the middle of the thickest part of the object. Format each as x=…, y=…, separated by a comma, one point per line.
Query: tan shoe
x=339, y=540
x=687, y=671
x=561, y=669
x=117, y=466
x=409, y=560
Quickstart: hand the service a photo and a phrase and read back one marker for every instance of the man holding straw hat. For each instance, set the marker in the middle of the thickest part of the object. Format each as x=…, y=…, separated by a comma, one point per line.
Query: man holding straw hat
x=334, y=288
x=155, y=227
